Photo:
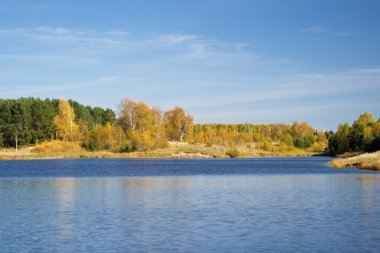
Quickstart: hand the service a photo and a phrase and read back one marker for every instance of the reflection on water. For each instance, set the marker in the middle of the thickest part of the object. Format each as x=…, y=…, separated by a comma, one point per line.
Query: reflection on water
x=64, y=202
x=327, y=212
x=143, y=194
x=155, y=183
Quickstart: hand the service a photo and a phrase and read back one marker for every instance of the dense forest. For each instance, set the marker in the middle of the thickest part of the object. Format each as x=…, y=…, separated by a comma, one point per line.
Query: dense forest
x=139, y=127
x=362, y=136
x=31, y=120
x=28, y=121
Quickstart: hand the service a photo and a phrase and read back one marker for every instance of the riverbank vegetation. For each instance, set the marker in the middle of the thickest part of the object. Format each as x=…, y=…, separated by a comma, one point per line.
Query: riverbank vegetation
x=56, y=126
x=350, y=142
x=66, y=128
x=368, y=161
x=362, y=136
x=64, y=149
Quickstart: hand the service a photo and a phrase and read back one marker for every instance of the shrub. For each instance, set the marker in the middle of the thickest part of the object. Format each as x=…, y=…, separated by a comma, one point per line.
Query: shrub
x=125, y=148
x=233, y=153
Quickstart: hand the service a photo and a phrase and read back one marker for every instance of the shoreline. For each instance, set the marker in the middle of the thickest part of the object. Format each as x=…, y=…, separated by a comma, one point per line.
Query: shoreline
x=366, y=161
x=175, y=150
x=142, y=155
x=189, y=157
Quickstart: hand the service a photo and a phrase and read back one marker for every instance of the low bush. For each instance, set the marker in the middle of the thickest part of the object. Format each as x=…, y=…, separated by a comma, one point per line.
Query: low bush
x=233, y=153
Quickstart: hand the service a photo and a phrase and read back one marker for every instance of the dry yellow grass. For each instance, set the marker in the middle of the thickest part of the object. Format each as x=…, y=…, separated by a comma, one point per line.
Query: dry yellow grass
x=201, y=150
x=61, y=149
x=368, y=161
x=57, y=146
x=53, y=150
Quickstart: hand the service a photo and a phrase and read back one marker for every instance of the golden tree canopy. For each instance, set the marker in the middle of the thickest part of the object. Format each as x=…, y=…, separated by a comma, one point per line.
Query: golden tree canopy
x=64, y=120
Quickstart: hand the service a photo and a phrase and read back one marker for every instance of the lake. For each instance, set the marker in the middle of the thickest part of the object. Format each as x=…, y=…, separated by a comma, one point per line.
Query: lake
x=216, y=205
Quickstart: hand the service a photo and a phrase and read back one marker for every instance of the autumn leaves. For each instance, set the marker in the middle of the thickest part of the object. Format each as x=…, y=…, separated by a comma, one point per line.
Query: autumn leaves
x=140, y=127
x=150, y=128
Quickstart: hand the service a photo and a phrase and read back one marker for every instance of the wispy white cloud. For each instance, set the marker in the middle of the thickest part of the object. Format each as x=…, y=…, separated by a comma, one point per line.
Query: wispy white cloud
x=344, y=34
x=200, y=73
x=119, y=39
x=30, y=90
x=365, y=70
x=325, y=30
x=282, y=95
x=51, y=7
x=91, y=38
x=174, y=39
x=174, y=48
x=29, y=57
x=244, y=97
x=118, y=32
x=317, y=29
x=57, y=7
x=309, y=113
x=50, y=58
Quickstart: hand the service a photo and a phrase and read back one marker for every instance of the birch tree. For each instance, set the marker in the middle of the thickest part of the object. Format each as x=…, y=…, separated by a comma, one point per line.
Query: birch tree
x=178, y=124
x=65, y=121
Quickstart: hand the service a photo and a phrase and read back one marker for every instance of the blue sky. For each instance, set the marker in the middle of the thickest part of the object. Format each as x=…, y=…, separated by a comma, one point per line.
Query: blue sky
x=223, y=61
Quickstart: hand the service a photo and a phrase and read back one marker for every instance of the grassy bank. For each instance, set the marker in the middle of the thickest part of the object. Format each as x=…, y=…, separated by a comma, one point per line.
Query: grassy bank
x=369, y=161
x=59, y=149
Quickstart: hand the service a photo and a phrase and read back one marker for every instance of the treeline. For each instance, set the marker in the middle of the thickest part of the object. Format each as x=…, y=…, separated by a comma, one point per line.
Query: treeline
x=139, y=127
x=148, y=127
x=31, y=120
x=27, y=121
x=362, y=135
x=271, y=137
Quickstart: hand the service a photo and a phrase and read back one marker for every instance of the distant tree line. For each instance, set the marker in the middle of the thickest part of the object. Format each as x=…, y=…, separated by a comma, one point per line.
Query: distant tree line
x=29, y=121
x=140, y=127
x=362, y=135
x=148, y=127
x=271, y=137
x=32, y=120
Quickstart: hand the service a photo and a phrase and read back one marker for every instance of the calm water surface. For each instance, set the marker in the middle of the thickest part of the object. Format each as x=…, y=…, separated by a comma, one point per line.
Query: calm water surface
x=242, y=205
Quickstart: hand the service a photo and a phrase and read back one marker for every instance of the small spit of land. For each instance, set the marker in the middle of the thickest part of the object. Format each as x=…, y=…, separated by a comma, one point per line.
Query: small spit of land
x=368, y=161
x=182, y=150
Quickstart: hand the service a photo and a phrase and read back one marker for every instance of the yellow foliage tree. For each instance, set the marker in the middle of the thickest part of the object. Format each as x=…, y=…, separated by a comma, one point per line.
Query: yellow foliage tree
x=178, y=124
x=107, y=137
x=159, y=134
x=142, y=125
x=65, y=121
